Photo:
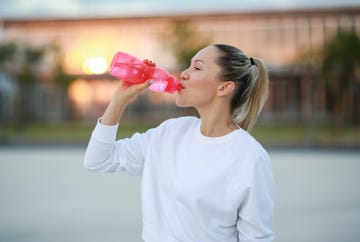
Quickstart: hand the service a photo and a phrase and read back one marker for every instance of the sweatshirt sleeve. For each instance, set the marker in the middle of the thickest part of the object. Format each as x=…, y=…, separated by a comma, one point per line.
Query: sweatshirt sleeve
x=105, y=154
x=255, y=215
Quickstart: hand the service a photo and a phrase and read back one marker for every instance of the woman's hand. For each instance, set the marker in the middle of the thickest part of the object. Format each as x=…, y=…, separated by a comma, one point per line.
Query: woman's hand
x=127, y=91
x=149, y=63
x=121, y=98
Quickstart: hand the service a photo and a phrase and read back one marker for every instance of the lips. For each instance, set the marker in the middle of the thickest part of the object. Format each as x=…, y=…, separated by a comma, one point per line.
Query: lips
x=182, y=86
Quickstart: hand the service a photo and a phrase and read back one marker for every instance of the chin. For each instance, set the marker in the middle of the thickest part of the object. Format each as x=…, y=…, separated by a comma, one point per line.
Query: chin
x=180, y=102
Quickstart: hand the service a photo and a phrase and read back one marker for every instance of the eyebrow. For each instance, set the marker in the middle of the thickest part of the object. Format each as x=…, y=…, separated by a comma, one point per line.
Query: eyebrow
x=198, y=60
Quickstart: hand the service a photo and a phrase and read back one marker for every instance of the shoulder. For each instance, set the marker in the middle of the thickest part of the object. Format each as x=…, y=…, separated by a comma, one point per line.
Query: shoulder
x=253, y=164
x=251, y=152
x=251, y=144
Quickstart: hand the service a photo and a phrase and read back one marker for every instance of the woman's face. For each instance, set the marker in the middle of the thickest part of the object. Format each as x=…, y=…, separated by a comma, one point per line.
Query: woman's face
x=200, y=80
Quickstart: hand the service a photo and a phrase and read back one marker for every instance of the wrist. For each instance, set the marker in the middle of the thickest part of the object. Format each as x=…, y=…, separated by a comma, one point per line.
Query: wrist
x=120, y=99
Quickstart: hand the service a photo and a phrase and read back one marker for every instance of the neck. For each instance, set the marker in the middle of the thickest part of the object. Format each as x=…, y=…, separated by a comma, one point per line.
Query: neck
x=215, y=121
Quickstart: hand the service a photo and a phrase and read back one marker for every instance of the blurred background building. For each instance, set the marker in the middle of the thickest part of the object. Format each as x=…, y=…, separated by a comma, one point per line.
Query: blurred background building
x=56, y=69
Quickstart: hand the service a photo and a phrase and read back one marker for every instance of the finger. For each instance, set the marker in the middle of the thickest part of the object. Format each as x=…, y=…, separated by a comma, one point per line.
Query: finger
x=149, y=62
x=135, y=89
x=143, y=85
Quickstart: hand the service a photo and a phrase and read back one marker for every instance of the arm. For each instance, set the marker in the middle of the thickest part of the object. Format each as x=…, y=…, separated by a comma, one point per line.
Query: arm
x=103, y=153
x=121, y=98
x=255, y=216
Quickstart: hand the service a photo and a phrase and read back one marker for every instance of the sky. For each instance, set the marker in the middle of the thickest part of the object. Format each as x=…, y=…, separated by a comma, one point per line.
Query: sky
x=117, y=8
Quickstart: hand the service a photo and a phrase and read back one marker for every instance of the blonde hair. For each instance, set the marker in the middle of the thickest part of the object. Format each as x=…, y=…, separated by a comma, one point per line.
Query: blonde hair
x=252, y=84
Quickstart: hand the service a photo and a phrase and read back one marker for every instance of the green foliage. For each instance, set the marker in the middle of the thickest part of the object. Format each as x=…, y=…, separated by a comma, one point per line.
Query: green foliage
x=61, y=77
x=340, y=76
x=283, y=136
x=7, y=52
x=27, y=74
x=336, y=71
x=33, y=54
x=24, y=64
x=341, y=60
x=184, y=42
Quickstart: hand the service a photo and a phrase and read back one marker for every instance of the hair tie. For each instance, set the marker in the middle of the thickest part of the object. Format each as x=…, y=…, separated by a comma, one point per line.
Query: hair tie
x=252, y=61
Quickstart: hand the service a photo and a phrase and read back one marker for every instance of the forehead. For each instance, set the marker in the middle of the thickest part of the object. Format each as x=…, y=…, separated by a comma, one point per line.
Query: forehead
x=208, y=55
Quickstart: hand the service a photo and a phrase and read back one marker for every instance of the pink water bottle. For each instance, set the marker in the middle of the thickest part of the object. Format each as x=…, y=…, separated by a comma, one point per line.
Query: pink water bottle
x=131, y=69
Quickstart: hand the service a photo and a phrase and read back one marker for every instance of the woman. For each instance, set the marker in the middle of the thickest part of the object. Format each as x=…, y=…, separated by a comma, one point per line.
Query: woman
x=206, y=179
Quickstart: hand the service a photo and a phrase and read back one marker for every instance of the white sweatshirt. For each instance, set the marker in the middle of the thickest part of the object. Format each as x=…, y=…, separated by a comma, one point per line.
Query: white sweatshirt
x=194, y=188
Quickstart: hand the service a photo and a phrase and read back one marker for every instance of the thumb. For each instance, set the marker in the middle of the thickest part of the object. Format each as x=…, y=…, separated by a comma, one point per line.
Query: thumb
x=134, y=89
x=144, y=85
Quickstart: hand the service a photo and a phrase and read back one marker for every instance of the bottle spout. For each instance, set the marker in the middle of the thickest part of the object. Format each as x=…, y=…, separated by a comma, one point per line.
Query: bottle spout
x=173, y=85
x=179, y=87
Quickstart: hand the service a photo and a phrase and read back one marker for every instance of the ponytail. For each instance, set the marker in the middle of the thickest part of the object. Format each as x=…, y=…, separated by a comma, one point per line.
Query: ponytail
x=246, y=114
x=252, y=82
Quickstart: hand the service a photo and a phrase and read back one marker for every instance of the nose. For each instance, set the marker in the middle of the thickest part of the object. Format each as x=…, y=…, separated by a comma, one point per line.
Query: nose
x=184, y=75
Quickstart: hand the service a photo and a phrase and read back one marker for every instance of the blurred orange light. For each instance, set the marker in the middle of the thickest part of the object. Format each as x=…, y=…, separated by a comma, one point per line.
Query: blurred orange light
x=80, y=92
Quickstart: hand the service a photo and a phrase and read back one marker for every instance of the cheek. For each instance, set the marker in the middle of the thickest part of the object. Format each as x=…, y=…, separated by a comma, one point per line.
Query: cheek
x=205, y=88
x=199, y=90
x=193, y=97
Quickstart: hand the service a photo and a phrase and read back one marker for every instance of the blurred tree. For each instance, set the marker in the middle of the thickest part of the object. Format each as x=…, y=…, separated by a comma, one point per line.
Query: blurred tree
x=340, y=75
x=335, y=68
x=60, y=77
x=27, y=76
x=7, y=53
x=62, y=81
x=25, y=64
x=184, y=42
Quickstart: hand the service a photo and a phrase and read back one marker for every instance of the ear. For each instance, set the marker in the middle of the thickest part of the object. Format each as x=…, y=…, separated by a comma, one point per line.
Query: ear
x=225, y=88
